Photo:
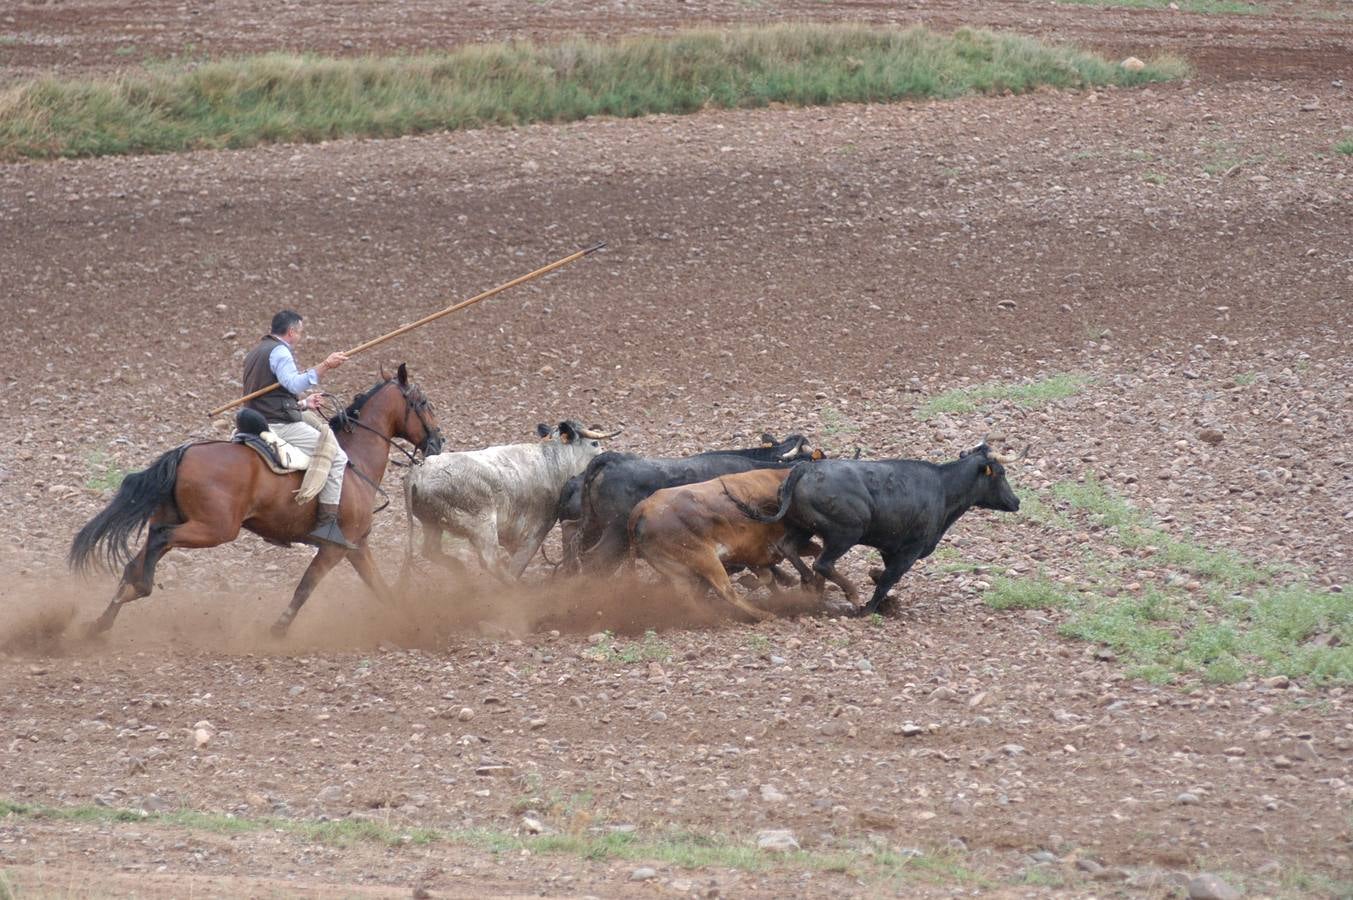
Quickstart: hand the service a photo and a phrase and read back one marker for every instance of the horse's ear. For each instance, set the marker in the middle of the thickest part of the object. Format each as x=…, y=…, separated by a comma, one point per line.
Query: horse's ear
x=385, y=376
x=403, y=375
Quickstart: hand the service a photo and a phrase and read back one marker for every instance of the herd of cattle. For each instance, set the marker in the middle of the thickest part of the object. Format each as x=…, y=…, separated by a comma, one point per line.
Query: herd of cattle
x=696, y=518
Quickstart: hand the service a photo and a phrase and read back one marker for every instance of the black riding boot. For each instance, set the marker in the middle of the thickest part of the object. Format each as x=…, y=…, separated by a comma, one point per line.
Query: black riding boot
x=326, y=527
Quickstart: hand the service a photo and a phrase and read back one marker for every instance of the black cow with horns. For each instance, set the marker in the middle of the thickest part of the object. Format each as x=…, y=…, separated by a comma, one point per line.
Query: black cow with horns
x=614, y=483
x=901, y=507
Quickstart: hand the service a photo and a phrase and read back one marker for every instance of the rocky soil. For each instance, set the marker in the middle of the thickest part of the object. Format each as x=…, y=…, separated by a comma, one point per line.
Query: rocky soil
x=1182, y=250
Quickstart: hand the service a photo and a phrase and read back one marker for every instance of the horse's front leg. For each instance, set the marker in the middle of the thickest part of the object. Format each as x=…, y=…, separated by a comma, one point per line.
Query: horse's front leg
x=365, y=564
x=327, y=557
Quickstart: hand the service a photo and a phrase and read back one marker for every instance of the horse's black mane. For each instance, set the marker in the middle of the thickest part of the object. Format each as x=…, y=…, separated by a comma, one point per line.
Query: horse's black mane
x=356, y=405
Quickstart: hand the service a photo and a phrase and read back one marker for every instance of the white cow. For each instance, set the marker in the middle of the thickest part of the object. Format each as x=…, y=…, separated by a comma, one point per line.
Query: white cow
x=501, y=500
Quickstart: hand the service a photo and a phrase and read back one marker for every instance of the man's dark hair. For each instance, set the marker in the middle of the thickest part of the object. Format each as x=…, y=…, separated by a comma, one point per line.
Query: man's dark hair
x=283, y=321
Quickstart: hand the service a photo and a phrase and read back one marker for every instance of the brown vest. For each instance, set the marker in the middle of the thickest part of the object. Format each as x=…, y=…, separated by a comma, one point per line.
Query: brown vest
x=278, y=405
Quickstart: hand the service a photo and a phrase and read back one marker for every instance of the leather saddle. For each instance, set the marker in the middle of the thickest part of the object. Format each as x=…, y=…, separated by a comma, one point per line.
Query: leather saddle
x=251, y=430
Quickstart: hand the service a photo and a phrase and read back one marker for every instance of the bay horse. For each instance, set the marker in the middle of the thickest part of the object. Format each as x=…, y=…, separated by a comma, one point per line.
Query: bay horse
x=201, y=494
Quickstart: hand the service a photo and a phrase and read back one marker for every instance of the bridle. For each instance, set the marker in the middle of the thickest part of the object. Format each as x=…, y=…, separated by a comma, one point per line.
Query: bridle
x=417, y=404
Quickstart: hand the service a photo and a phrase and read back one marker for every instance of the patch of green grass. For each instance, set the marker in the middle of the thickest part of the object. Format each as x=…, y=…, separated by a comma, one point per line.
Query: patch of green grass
x=1155, y=178
x=104, y=476
x=758, y=643
x=1026, y=593
x=1037, y=393
x=1134, y=530
x=685, y=849
x=836, y=423
x=1246, y=378
x=278, y=97
x=7, y=891
x=1237, y=625
x=1213, y=7
x=608, y=650
x=1345, y=147
x=124, y=50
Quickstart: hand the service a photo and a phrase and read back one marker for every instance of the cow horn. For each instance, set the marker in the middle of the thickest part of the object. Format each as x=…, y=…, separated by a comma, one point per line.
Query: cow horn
x=792, y=451
x=599, y=435
x=1007, y=460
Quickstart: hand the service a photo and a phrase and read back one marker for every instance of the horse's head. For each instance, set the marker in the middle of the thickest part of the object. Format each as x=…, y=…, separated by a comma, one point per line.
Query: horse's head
x=397, y=407
x=418, y=425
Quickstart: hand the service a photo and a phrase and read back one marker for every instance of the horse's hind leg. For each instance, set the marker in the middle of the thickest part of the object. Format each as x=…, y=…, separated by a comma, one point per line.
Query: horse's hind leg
x=138, y=578
x=327, y=557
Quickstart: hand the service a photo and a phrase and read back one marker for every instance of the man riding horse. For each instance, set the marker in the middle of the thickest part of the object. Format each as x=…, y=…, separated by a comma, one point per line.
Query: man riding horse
x=273, y=360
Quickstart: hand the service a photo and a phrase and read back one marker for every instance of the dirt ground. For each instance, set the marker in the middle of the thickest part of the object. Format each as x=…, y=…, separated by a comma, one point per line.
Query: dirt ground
x=1186, y=249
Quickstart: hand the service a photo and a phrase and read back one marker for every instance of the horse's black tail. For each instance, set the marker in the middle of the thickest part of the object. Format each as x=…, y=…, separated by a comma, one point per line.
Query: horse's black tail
x=140, y=494
x=786, y=493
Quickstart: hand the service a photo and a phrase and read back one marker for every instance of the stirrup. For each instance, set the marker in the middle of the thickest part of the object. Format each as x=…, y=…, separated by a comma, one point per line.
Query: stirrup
x=330, y=533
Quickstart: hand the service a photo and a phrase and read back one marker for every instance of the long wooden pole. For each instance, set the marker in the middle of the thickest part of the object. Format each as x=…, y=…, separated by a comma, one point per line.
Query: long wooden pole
x=405, y=329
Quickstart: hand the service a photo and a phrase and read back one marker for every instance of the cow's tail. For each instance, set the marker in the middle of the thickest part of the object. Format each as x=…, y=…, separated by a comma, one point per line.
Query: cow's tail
x=786, y=493
x=106, y=537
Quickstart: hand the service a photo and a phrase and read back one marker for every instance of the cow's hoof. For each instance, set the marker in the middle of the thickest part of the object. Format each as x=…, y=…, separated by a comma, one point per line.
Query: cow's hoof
x=279, y=629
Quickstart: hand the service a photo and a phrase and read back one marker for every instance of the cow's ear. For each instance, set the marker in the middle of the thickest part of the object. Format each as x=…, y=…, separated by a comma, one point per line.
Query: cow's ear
x=566, y=433
x=987, y=471
x=403, y=374
x=542, y=430
x=817, y=454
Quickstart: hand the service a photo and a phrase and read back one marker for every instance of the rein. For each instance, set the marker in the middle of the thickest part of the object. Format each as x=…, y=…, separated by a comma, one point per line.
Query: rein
x=346, y=420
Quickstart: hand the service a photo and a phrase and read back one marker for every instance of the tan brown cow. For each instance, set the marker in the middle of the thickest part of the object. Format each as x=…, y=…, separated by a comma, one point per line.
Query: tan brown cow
x=691, y=534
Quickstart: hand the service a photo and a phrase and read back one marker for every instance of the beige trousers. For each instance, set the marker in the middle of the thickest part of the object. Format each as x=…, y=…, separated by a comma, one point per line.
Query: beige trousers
x=303, y=437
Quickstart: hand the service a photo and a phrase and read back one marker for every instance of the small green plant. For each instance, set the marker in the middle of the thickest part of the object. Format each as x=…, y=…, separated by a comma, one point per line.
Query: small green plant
x=1025, y=593
x=7, y=891
x=836, y=424
x=876, y=620
x=1246, y=378
x=104, y=475
x=1155, y=178
x=1345, y=147
x=1034, y=394
x=124, y=50
x=650, y=648
x=758, y=643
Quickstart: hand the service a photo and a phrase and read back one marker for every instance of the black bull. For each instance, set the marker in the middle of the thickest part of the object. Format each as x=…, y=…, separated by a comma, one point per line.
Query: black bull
x=901, y=507
x=614, y=483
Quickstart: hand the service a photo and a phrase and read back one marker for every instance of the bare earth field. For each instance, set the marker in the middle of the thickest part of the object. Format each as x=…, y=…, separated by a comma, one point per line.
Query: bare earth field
x=1184, y=252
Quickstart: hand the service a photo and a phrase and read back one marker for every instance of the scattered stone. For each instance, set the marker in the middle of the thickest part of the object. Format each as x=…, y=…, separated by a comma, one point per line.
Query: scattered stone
x=1234, y=751
x=465, y=714
x=1278, y=682
x=1281, y=762
x=910, y=729
x=331, y=793
x=877, y=818
x=771, y=794
x=644, y=873
x=1012, y=749
x=1209, y=887
x=532, y=825
x=1186, y=799
x=1211, y=436
x=1132, y=64
x=777, y=840
x=495, y=771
